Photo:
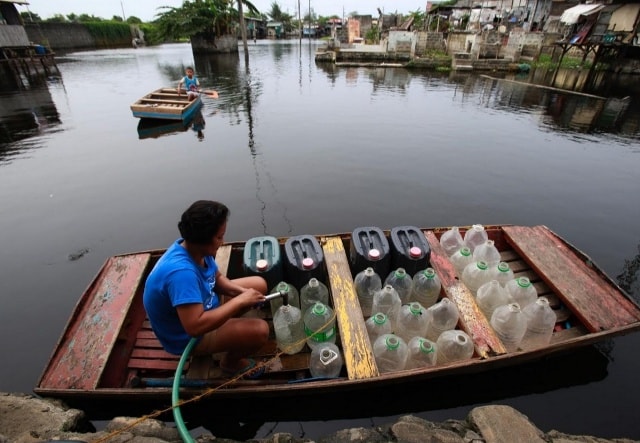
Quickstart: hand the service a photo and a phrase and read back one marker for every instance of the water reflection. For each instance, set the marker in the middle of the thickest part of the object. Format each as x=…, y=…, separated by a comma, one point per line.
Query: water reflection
x=628, y=279
x=23, y=115
x=575, y=112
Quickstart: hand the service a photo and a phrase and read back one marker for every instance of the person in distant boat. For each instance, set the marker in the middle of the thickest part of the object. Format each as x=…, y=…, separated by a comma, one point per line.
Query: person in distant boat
x=190, y=84
x=182, y=296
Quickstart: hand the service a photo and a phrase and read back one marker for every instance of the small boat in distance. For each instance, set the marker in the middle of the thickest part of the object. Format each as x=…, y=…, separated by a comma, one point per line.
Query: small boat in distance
x=108, y=358
x=166, y=104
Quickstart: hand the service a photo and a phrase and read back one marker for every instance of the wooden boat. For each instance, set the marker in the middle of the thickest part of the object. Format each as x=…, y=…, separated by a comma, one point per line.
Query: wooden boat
x=109, y=358
x=166, y=104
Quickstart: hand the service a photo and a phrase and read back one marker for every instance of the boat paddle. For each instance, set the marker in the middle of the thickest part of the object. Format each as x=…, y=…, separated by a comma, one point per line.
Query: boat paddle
x=208, y=93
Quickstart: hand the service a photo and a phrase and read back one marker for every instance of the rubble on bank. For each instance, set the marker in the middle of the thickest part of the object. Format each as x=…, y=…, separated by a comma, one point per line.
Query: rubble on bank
x=28, y=419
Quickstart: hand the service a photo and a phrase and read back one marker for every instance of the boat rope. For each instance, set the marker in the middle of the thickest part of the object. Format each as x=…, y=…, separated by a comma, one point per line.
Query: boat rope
x=176, y=402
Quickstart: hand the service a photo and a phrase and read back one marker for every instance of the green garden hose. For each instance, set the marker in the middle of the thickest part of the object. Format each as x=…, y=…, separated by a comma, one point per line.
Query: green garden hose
x=175, y=394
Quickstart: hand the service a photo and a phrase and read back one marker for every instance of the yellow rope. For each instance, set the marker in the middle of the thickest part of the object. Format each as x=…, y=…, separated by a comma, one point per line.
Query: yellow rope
x=209, y=390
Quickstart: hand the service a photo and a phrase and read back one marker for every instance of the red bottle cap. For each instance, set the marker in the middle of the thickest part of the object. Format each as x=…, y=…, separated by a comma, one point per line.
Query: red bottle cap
x=307, y=263
x=415, y=252
x=374, y=254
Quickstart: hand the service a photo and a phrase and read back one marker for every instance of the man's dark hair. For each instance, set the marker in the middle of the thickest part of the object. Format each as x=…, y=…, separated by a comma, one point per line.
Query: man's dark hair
x=202, y=220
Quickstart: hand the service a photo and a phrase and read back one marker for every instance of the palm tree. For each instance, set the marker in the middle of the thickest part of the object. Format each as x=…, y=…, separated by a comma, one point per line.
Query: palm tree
x=203, y=22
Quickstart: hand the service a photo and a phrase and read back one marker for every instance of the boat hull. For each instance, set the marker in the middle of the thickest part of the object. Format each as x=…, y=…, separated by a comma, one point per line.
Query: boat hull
x=166, y=104
x=125, y=366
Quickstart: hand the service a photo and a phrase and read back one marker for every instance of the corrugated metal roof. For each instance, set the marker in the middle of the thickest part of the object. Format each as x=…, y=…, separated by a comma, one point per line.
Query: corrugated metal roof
x=571, y=15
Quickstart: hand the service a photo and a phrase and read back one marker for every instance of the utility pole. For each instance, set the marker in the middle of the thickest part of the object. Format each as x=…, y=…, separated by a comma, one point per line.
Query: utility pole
x=309, y=20
x=124, y=17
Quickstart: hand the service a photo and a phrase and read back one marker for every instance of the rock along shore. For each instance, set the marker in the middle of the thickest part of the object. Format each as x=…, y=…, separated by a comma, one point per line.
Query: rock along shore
x=28, y=419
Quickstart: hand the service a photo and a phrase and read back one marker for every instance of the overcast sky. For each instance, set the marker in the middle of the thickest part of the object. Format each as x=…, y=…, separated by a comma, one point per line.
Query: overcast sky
x=147, y=9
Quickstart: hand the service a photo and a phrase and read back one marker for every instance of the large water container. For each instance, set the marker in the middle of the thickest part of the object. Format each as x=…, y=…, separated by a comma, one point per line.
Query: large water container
x=441, y=317
x=502, y=272
x=426, y=287
x=367, y=283
x=412, y=321
x=289, y=329
x=522, y=291
x=390, y=352
x=451, y=240
x=387, y=301
x=490, y=296
x=540, y=323
x=422, y=353
x=487, y=252
x=401, y=282
x=475, y=236
x=409, y=249
x=461, y=258
x=369, y=248
x=293, y=297
x=476, y=274
x=311, y=293
x=319, y=325
x=304, y=260
x=378, y=324
x=510, y=325
x=453, y=345
x=325, y=361
x=262, y=257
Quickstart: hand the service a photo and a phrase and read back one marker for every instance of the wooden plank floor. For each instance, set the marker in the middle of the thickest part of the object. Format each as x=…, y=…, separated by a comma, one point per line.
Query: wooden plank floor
x=84, y=349
x=598, y=305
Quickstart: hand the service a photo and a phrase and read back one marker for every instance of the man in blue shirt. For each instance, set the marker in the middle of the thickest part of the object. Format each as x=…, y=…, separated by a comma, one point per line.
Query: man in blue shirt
x=182, y=295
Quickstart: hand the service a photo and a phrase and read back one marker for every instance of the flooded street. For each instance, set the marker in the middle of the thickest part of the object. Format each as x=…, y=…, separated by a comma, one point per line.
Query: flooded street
x=293, y=148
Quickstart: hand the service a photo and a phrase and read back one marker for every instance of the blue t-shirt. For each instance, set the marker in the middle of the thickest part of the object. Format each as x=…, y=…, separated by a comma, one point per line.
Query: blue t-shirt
x=177, y=280
x=191, y=84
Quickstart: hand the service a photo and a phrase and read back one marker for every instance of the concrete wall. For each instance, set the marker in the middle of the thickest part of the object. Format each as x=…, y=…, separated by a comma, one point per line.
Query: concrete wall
x=58, y=36
x=402, y=42
x=13, y=35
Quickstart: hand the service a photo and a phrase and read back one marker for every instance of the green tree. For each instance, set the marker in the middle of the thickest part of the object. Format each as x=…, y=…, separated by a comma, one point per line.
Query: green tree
x=30, y=17
x=418, y=18
x=210, y=18
x=277, y=15
x=57, y=18
x=133, y=20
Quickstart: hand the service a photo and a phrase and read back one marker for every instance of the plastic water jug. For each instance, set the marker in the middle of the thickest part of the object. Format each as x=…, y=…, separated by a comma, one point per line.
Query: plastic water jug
x=304, y=260
x=325, y=361
x=540, y=323
x=502, y=272
x=378, y=324
x=453, y=345
x=387, y=301
x=319, y=325
x=293, y=297
x=422, y=352
x=369, y=248
x=412, y=321
x=487, y=252
x=262, y=257
x=289, y=329
x=475, y=236
x=476, y=274
x=441, y=317
x=314, y=291
x=401, y=282
x=510, y=325
x=490, y=296
x=367, y=283
x=522, y=291
x=426, y=287
x=409, y=249
x=461, y=258
x=451, y=241
x=390, y=352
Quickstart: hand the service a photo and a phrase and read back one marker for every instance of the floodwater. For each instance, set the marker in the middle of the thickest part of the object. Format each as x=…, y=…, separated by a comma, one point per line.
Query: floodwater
x=297, y=148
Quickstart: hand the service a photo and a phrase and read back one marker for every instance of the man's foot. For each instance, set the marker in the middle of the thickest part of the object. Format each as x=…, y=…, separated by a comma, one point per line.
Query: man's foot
x=250, y=371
